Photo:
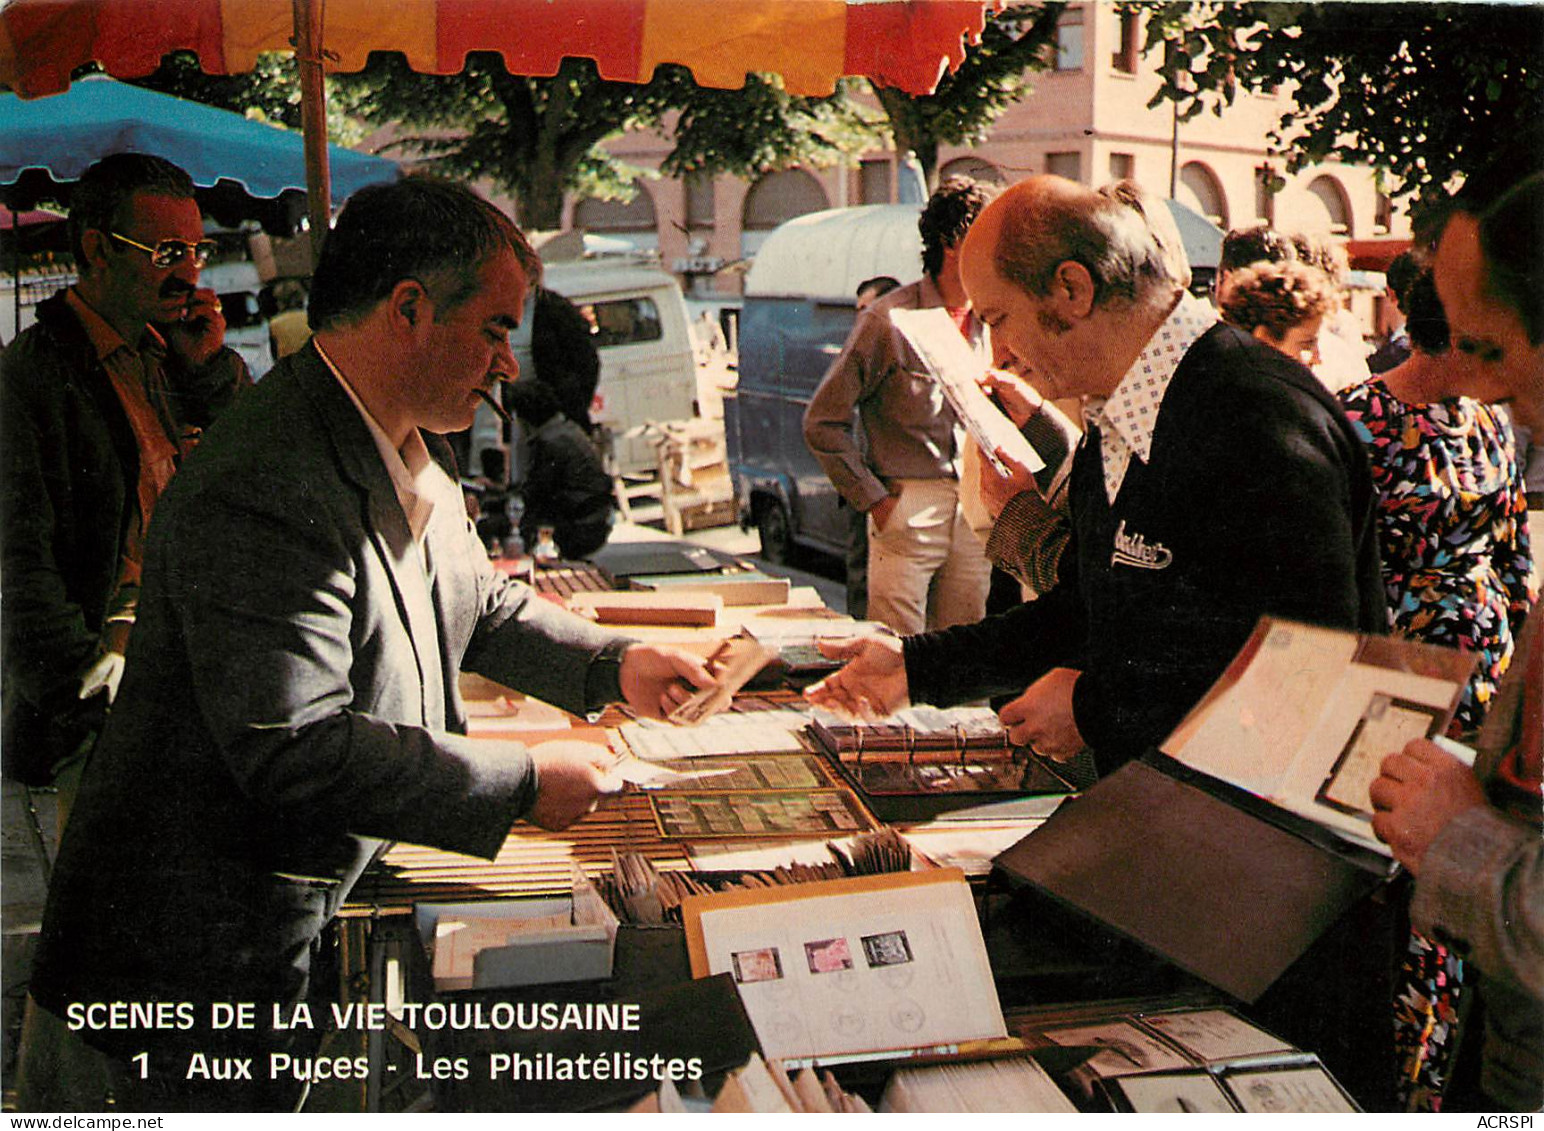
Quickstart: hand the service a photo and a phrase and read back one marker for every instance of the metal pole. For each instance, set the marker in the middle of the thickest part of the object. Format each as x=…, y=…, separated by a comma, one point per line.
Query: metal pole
x=1173, y=149
x=313, y=117
x=16, y=273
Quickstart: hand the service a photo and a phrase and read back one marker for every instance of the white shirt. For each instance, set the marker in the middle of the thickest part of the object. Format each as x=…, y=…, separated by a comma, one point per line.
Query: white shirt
x=1127, y=416
x=414, y=475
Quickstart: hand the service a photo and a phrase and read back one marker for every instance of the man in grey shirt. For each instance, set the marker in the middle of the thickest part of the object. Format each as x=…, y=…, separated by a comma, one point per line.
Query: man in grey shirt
x=926, y=567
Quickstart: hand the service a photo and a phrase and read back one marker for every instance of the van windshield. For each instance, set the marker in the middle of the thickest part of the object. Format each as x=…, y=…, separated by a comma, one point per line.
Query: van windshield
x=620, y=322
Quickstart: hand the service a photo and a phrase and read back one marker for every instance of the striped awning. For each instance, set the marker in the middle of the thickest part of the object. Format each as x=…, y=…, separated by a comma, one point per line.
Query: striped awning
x=811, y=43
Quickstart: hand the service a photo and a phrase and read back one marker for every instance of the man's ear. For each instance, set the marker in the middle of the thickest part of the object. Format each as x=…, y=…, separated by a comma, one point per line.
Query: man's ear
x=94, y=242
x=1072, y=287
x=409, y=306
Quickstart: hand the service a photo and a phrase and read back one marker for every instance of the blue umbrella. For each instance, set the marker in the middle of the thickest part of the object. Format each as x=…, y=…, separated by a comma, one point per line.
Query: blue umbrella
x=62, y=134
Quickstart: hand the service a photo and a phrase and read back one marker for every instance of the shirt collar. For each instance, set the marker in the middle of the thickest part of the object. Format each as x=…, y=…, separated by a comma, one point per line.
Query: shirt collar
x=930, y=296
x=410, y=468
x=1132, y=408
x=105, y=340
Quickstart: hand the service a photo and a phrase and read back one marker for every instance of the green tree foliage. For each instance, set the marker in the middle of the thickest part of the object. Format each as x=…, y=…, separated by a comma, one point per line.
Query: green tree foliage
x=994, y=75
x=540, y=137
x=270, y=91
x=534, y=137
x=1425, y=92
x=761, y=128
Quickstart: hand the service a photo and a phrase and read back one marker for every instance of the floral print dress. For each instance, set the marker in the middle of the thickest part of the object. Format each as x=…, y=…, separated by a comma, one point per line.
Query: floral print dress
x=1453, y=528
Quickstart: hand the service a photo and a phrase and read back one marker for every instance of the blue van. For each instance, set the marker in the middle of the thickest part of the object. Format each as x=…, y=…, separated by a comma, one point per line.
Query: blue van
x=797, y=312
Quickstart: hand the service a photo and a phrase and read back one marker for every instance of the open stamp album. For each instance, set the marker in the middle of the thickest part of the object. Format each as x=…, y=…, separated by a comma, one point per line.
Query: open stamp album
x=1305, y=715
x=869, y=964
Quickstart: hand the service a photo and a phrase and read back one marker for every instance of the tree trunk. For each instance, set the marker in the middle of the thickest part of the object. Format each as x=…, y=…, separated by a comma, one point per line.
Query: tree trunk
x=539, y=195
x=909, y=128
x=926, y=149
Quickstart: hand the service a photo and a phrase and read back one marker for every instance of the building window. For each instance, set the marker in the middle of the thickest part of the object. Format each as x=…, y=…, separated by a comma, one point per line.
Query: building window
x=773, y=199
x=632, y=220
x=1383, y=215
x=1266, y=184
x=974, y=168
x=874, y=182
x=1069, y=41
x=1129, y=50
x=1069, y=165
x=699, y=201
x=1123, y=166
x=1200, y=188
x=1337, y=207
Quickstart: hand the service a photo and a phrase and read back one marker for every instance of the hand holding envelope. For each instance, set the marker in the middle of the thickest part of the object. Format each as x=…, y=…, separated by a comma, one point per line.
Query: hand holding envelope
x=733, y=665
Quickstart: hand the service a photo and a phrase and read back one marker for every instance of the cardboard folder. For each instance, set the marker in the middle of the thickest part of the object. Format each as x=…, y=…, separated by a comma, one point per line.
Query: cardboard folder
x=1222, y=885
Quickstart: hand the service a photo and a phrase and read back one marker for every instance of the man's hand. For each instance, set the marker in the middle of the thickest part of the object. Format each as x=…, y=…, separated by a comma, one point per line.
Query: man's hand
x=104, y=674
x=200, y=333
x=997, y=489
x=1019, y=399
x=871, y=686
x=655, y=680
x=1042, y=719
x=1421, y=788
x=881, y=511
x=570, y=777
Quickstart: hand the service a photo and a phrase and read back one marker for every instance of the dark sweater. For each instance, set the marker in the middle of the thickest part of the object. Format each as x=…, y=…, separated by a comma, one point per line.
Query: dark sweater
x=1256, y=499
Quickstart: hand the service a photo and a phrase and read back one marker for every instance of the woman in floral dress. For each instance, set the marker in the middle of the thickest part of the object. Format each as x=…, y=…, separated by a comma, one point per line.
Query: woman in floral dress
x=1454, y=519
x=1454, y=533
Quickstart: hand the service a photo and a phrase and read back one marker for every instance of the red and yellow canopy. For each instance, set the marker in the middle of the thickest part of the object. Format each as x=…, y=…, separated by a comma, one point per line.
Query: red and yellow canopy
x=811, y=43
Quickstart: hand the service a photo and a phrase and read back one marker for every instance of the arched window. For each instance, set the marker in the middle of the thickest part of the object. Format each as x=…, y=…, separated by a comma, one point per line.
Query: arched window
x=975, y=168
x=1335, y=205
x=775, y=198
x=632, y=220
x=1200, y=188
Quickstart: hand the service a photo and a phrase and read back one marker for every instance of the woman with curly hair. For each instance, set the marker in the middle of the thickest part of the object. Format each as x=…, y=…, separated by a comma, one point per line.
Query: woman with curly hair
x=1281, y=304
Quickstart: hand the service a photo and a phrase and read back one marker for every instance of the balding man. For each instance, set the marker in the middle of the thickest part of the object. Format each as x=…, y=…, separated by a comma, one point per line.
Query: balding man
x=1217, y=481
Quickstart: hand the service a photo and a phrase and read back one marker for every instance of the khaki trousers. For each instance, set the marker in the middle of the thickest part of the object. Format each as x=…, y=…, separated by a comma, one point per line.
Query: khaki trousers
x=927, y=569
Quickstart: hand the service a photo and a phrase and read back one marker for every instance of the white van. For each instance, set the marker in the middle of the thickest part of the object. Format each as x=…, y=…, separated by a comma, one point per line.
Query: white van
x=647, y=368
x=798, y=311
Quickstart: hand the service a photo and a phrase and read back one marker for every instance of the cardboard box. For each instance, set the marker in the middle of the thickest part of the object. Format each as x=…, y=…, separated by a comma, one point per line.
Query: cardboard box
x=518, y=942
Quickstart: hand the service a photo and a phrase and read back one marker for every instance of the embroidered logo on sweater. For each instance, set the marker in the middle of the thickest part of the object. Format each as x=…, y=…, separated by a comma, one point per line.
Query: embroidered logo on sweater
x=1133, y=550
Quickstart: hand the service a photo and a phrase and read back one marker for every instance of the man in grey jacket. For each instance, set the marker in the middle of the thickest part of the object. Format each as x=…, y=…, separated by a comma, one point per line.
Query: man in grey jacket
x=312, y=590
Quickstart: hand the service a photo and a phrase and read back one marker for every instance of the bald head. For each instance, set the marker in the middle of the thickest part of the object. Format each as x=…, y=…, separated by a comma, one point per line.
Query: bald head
x=1043, y=222
x=1071, y=282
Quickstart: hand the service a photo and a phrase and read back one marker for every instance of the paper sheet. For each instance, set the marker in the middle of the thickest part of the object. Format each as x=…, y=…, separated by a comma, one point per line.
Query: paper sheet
x=1174, y=1091
x=879, y=963
x=1305, y=1089
x=937, y=342
x=652, y=775
x=1213, y=1035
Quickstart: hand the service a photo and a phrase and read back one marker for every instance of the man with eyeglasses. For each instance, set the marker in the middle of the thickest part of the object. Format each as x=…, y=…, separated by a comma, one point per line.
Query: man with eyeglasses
x=98, y=404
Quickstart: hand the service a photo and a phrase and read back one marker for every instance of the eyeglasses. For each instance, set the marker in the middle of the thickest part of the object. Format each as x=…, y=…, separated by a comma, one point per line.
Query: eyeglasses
x=169, y=253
